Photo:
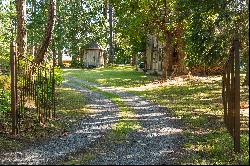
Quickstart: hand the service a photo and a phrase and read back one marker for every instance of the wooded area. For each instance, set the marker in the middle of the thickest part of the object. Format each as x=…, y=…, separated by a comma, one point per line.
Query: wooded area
x=193, y=34
x=166, y=39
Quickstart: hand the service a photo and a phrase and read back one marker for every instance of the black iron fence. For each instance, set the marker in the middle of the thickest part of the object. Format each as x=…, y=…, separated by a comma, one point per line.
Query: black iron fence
x=32, y=94
x=231, y=94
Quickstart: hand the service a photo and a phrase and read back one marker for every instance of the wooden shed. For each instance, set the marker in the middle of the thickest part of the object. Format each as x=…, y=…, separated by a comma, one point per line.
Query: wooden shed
x=93, y=55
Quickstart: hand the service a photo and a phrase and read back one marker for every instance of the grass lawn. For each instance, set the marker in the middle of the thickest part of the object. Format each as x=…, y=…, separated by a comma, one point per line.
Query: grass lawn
x=199, y=104
x=117, y=76
x=197, y=100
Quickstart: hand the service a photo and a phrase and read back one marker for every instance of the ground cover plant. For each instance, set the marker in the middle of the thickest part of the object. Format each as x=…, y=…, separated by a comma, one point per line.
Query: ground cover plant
x=198, y=102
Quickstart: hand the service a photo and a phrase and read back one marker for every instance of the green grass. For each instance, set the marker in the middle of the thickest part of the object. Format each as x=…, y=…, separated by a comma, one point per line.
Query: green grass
x=7, y=144
x=79, y=160
x=126, y=123
x=66, y=116
x=198, y=103
x=119, y=132
x=118, y=76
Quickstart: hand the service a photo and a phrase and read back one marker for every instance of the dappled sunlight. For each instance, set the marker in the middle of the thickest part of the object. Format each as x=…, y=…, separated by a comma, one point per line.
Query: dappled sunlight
x=121, y=76
x=66, y=70
x=152, y=123
x=176, y=81
x=77, y=100
x=198, y=103
x=209, y=145
x=78, y=132
x=192, y=106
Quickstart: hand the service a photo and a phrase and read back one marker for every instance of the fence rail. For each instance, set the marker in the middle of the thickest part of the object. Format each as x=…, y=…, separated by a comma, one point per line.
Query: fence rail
x=231, y=94
x=32, y=94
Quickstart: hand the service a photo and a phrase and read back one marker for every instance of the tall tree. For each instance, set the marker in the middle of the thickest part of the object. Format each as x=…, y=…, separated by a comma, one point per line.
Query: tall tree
x=48, y=33
x=111, y=51
x=21, y=39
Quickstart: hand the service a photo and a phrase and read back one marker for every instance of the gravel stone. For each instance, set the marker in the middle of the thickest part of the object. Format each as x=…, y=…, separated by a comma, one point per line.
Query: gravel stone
x=159, y=136
x=158, y=141
x=81, y=136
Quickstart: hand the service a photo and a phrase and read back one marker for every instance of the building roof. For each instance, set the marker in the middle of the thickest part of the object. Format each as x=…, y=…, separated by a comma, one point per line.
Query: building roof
x=93, y=45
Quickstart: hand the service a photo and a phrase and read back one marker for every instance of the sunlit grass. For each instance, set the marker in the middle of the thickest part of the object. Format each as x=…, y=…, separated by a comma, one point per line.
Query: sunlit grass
x=119, y=132
x=126, y=123
x=118, y=76
x=199, y=104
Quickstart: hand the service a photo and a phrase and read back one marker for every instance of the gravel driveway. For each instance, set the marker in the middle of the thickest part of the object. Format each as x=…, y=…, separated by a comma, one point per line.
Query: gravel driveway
x=83, y=135
x=158, y=141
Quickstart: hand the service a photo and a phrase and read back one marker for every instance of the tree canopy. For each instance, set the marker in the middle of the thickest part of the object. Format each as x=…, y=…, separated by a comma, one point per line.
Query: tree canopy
x=206, y=27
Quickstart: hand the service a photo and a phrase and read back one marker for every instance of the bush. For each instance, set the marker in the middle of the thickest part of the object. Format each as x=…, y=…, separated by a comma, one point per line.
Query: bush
x=58, y=76
x=4, y=100
x=4, y=93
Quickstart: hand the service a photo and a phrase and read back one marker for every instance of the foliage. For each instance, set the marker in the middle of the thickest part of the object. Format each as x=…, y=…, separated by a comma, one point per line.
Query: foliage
x=4, y=93
x=121, y=57
x=6, y=14
x=210, y=28
x=58, y=76
x=4, y=100
x=124, y=76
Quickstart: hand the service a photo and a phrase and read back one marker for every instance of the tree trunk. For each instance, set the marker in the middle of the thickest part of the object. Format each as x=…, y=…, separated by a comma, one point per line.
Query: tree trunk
x=181, y=68
x=133, y=60
x=60, y=62
x=33, y=14
x=246, y=81
x=167, y=56
x=21, y=38
x=48, y=33
x=111, y=56
x=81, y=53
x=105, y=14
x=168, y=48
x=145, y=60
x=54, y=52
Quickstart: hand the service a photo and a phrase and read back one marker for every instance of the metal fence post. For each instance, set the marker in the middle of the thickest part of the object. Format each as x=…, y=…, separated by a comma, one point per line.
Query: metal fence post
x=13, y=89
x=231, y=94
x=237, y=97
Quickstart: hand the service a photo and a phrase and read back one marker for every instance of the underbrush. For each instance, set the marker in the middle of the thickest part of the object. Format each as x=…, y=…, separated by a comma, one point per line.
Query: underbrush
x=66, y=117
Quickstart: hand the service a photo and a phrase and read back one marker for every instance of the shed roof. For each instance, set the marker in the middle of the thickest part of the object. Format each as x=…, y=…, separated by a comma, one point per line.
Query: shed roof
x=93, y=45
